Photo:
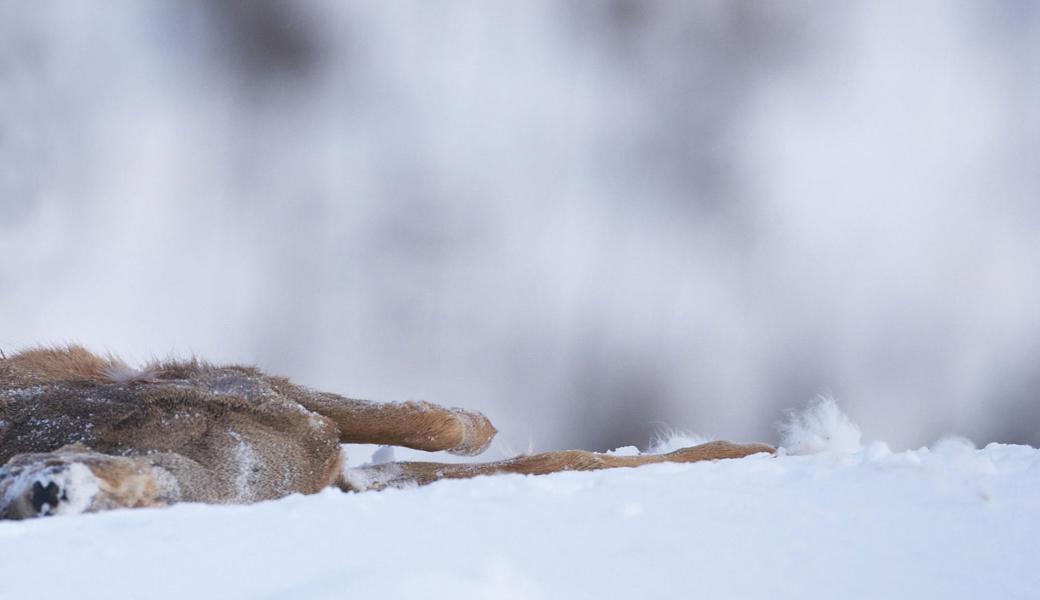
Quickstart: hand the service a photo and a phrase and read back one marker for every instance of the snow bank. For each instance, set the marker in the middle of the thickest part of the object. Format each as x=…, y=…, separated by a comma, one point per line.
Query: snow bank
x=947, y=522
x=826, y=518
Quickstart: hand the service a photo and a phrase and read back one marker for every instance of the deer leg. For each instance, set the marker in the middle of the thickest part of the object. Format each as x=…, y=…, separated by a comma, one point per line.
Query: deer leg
x=75, y=479
x=405, y=474
x=418, y=425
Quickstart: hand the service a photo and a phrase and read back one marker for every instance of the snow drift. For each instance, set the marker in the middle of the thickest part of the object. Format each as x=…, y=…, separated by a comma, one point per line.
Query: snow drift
x=826, y=518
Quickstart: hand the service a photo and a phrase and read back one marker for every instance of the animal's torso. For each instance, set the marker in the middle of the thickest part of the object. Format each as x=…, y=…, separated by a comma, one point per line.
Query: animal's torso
x=227, y=434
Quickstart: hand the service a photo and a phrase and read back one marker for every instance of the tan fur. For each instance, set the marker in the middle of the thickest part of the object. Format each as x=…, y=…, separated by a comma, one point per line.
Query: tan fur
x=420, y=473
x=70, y=363
x=191, y=431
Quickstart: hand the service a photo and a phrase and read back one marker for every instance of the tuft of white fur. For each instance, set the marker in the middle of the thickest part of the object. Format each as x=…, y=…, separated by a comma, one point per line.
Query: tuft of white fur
x=821, y=427
x=672, y=440
x=120, y=372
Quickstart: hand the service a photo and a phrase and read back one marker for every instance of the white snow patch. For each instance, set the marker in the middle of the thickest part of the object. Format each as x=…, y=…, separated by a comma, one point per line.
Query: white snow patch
x=364, y=479
x=383, y=455
x=672, y=440
x=947, y=522
x=245, y=461
x=878, y=451
x=821, y=427
x=632, y=510
x=624, y=451
x=356, y=455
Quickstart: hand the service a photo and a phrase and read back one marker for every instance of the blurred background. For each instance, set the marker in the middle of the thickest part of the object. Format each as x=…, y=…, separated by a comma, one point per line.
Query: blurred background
x=592, y=220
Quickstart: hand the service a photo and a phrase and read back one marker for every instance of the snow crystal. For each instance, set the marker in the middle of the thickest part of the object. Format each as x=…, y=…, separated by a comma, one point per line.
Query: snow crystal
x=821, y=427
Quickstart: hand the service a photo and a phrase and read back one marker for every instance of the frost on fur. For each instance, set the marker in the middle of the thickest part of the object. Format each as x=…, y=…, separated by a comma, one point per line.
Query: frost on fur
x=821, y=427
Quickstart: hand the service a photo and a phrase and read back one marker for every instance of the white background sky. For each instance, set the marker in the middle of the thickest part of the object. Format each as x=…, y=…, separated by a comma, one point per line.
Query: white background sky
x=589, y=220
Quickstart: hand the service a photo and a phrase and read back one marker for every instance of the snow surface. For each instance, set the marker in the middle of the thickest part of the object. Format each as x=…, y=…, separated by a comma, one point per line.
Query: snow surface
x=951, y=521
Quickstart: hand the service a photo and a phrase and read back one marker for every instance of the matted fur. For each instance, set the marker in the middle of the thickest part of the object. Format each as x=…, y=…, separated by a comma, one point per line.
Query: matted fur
x=80, y=432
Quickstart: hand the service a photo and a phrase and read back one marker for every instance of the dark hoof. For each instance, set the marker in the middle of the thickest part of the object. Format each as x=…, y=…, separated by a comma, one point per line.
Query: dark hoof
x=43, y=489
x=45, y=499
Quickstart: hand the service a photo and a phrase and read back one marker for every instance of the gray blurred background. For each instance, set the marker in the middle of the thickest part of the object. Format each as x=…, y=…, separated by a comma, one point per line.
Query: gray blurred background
x=592, y=220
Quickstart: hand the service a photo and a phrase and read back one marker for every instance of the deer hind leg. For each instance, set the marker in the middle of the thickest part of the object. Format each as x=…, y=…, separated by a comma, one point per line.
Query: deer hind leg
x=405, y=474
x=418, y=425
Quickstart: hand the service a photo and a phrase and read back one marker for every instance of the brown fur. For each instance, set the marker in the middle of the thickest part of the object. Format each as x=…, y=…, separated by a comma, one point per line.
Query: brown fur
x=189, y=431
x=404, y=473
x=72, y=363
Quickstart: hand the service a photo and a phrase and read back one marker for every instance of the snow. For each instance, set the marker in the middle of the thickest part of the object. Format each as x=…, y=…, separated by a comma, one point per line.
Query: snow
x=822, y=427
x=245, y=457
x=383, y=455
x=950, y=521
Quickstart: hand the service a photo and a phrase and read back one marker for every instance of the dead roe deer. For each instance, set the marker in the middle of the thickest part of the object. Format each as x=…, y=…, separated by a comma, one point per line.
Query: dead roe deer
x=84, y=433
